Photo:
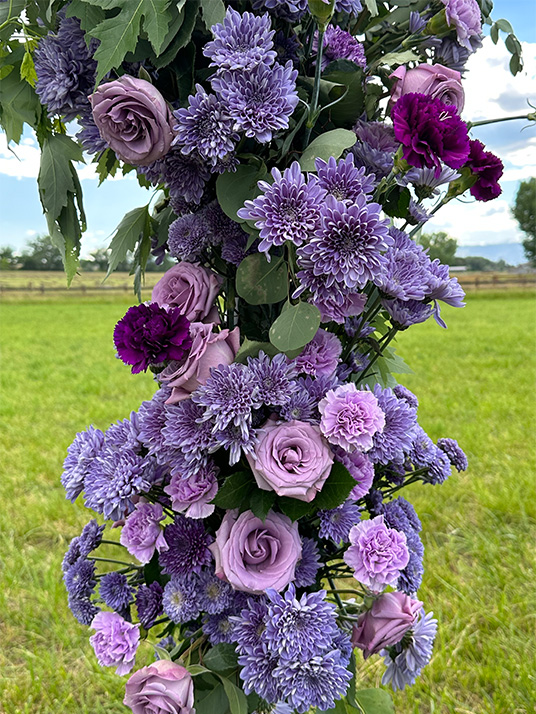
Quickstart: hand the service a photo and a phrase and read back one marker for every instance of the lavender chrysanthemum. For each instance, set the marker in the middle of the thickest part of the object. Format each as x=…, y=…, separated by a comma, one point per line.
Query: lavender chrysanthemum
x=423, y=449
x=241, y=42
x=291, y=10
x=350, y=7
x=348, y=246
x=257, y=674
x=395, y=440
x=80, y=579
x=406, y=269
x=287, y=210
x=80, y=456
x=405, y=660
x=261, y=100
x=451, y=54
x=335, y=524
x=89, y=135
x=339, y=44
x=308, y=564
x=185, y=430
x=405, y=313
x=188, y=547
x=115, y=591
x=301, y=406
x=214, y=594
x=439, y=470
x=149, y=603
x=444, y=288
x=404, y=393
x=205, y=127
x=272, y=378
x=65, y=70
x=250, y=626
x=237, y=440
x=180, y=601
x=123, y=434
x=455, y=454
x=342, y=179
x=188, y=237
x=299, y=629
x=152, y=416
x=375, y=147
x=219, y=628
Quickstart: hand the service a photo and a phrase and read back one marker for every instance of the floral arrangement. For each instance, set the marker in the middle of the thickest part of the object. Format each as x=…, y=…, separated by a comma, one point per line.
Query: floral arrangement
x=296, y=148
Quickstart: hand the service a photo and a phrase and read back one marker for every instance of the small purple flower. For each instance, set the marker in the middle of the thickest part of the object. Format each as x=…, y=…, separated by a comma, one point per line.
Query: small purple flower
x=89, y=134
x=320, y=357
x=149, y=603
x=466, y=18
x=291, y=10
x=80, y=579
x=288, y=209
x=439, y=470
x=405, y=313
x=250, y=626
x=343, y=179
x=272, y=377
x=115, y=641
x=488, y=169
x=242, y=42
x=377, y=554
x=405, y=660
x=142, y=535
x=351, y=418
x=115, y=591
x=80, y=456
x=407, y=269
x=339, y=44
x=215, y=595
x=82, y=609
x=394, y=441
x=455, y=454
x=188, y=547
x=150, y=334
x=308, y=565
x=219, y=628
x=185, y=176
x=375, y=147
x=404, y=393
x=180, y=601
x=191, y=494
x=188, y=237
x=423, y=449
x=335, y=523
x=185, y=430
x=261, y=100
x=361, y=468
x=337, y=305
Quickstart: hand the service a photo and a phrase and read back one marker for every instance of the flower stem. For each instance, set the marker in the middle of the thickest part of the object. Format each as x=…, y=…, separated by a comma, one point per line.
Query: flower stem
x=483, y=122
x=311, y=119
x=117, y=562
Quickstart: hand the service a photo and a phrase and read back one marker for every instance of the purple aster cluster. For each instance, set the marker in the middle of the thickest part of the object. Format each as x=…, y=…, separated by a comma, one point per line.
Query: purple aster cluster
x=336, y=523
x=80, y=456
x=187, y=551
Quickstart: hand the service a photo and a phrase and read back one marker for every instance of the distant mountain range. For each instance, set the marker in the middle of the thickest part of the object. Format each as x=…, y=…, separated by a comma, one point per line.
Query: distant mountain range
x=512, y=253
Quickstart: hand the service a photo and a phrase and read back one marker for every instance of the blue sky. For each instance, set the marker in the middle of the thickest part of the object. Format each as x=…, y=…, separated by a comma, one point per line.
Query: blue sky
x=490, y=90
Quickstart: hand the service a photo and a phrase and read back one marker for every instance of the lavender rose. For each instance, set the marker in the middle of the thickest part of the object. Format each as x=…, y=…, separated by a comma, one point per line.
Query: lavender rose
x=115, y=641
x=350, y=417
x=161, y=688
x=190, y=287
x=209, y=349
x=377, y=553
x=134, y=119
x=434, y=80
x=192, y=495
x=254, y=555
x=293, y=459
x=386, y=623
x=141, y=534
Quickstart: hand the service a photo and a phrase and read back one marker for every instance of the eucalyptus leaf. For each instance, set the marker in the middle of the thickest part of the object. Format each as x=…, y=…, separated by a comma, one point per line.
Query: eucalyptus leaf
x=234, y=188
x=260, y=282
x=375, y=701
x=295, y=327
x=212, y=11
x=332, y=143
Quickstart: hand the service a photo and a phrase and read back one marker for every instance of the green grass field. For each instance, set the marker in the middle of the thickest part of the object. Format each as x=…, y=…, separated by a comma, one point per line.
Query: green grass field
x=475, y=383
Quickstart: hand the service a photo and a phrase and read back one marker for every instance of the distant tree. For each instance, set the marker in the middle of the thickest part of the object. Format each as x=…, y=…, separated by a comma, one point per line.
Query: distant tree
x=41, y=254
x=440, y=245
x=8, y=260
x=524, y=211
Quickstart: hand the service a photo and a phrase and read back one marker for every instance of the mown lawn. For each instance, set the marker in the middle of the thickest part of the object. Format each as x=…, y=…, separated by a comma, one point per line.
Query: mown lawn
x=475, y=382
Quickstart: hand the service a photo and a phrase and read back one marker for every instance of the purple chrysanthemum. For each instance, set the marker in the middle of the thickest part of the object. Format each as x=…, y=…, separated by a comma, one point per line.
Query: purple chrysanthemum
x=405, y=394
x=465, y=17
x=335, y=524
x=287, y=47
x=241, y=42
x=214, y=594
x=80, y=579
x=395, y=440
x=288, y=209
x=180, y=601
x=351, y=7
x=351, y=418
x=219, y=628
x=185, y=430
x=261, y=100
x=152, y=416
x=188, y=237
x=439, y=470
x=339, y=44
x=444, y=288
x=150, y=334
x=301, y=406
x=185, y=176
x=80, y=456
x=188, y=547
x=81, y=546
x=308, y=564
x=375, y=147
x=342, y=179
x=299, y=629
x=361, y=468
x=451, y=54
x=336, y=305
x=320, y=356
x=115, y=591
x=83, y=609
x=455, y=454
x=405, y=313
x=257, y=674
x=149, y=603
x=405, y=660
x=250, y=626
x=205, y=127
x=423, y=449
x=348, y=246
x=237, y=440
x=272, y=378
x=65, y=70
x=406, y=269
x=401, y=515
x=89, y=135
x=291, y=10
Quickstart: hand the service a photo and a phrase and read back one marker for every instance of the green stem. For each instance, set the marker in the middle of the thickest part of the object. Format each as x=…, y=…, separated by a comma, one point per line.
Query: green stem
x=386, y=340
x=316, y=87
x=112, y=542
x=483, y=122
x=117, y=562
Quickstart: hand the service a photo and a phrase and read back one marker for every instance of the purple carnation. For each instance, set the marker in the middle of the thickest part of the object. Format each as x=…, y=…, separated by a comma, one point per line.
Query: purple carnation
x=466, y=18
x=342, y=179
x=150, y=334
x=188, y=547
x=455, y=454
x=241, y=42
x=339, y=44
x=377, y=554
x=142, y=535
x=288, y=208
x=361, y=468
x=80, y=456
x=488, y=169
x=320, y=357
x=394, y=441
x=115, y=641
x=430, y=132
x=351, y=418
x=261, y=100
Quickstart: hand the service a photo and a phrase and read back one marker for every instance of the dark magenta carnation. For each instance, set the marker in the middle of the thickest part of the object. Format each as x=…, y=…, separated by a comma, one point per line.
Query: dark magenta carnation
x=150, y=334
x=430, y=132
x=488, y=169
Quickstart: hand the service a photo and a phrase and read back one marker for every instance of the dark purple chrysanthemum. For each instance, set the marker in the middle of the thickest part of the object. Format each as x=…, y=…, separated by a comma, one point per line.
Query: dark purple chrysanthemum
x=149, y=603
x=405, y=313
x=150, y=334
x=395, y=440
x=308, y=564
x=451, y=54
x=488, y=169
x=405, y=394
x=423, y=449
x=65, y=70
x=455, y=454
x=219, y=628
x=291, y=10
x=261, y=100
x=185, y=176
x=339, y=44
x=287, y=47
x=301, y=406
x=375, y=147
x=186, y=431
x=405, y=660
x=241, y=42
x=72, y=554
x=180, y=601
x=219, y=226
x=89, y=135
x=115, y=591
x=335, y=524
x=406, y=269
x=348, y=247
x=80, y=455
x=188, y=547
x=342, y=179
x=351, y=7
x=188, y=237
x=205, y=127
x=214, y=594
x=465, y=17
x=430, y=132
x=80, y=579
x=272, y=378
x=439, y=470
x=90, y=538
x=416, y=214
x=288, y=209
x=83, y=609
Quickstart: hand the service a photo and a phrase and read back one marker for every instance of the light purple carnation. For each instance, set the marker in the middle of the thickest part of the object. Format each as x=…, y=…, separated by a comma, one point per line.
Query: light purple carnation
x=115, y=641
x=377, y=554
x=192, y=495
x=350, y=418
x=320, y=357
x=141, y=535
x=361, y=468
x=466, y=18
x=241, y=42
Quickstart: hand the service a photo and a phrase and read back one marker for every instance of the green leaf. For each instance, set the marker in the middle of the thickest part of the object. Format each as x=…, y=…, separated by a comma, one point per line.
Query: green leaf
x=494, y=33
x=11, y=9
x=349, y=75
x=375, y=701
x=332, y=143
x=516, y=65
x=212, y=700
x=293, y=508
x=395, y=363
x=66, y=241
x=213, y=11
x=18, y=101
x=196, y=669
x=261, y=502
x=181, y=37
x=372, y=7
x=27, y=69
x=336, y=488
x=55, y=177
x=396, y=202
x=119, y=34
x=295, y=327
x=339, y=708
x=251, y=348
x=260, y=282
x=505, y=26
x=238, y=703
x=513, y=45
x=88, y=15
x=392, y=58
x=234, y=490
x=233, y=189
x=221, y=658
x=127, y=234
